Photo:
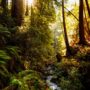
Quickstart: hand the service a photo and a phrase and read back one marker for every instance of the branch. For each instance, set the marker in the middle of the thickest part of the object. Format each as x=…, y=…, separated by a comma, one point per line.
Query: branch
x=72, y=14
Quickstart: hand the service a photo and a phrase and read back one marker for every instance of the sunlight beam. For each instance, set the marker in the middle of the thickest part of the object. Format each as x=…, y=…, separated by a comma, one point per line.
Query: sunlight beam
x=30, y=2
x=73, y=1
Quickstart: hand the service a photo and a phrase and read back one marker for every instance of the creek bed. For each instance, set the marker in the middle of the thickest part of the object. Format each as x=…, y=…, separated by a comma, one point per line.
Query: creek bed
x=52, y=85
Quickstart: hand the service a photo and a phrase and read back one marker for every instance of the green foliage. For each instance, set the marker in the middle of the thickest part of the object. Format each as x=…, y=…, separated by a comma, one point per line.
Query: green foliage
x=28, y=80
x=73, y=74
x=4, y=57
x=6, y=20
x=4, y=74
x=9, y=62
x=4, y=35
x=83, y=55
x=4, y=31
x=39, y=46
x=69, y=75
x=67, y=84
x=46, y=9
x=16, y=63
x=13, y=51
x=85, y=74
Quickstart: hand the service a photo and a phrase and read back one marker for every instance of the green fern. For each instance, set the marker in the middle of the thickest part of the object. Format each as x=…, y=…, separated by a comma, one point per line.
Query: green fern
x=4, y=57
x=4, y=31
x=26, y=72
x=28, y=80
x=13, y=51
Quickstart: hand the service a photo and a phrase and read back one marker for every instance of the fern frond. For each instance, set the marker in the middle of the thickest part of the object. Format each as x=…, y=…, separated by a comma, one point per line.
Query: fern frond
x=4, y=31
x=4, y=57
x=13, y=50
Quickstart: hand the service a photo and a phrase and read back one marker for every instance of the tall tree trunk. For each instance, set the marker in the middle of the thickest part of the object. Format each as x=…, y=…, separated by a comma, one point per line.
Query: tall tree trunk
x=18, y=11
x=68, y=51
x=4, y=4
x=31, y=16
x=14, y=9
x=81, y=24
x=86, y=24
x=27, y=9
x=88, y=8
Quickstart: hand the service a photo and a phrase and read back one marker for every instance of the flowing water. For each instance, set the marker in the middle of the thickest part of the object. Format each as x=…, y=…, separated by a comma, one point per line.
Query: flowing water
x=52, y=85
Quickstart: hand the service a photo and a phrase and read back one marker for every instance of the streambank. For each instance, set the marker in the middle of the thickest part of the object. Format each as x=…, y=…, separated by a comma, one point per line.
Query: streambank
x=50, y=77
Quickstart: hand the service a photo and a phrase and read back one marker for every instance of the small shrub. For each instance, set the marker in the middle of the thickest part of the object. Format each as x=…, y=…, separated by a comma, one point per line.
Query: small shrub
x=69, y=75
x=28, y=80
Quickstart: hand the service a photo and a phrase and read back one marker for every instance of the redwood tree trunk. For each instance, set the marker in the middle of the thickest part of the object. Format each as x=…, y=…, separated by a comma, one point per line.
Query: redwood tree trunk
x=27, y=9
x=18, y=11
x=68, y=51
x=4, y=4
x=81, y=24
x=88, y=8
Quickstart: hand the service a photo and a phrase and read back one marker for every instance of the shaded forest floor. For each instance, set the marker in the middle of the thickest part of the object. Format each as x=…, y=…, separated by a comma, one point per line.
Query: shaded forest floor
x=71, y=72
x=74, y=71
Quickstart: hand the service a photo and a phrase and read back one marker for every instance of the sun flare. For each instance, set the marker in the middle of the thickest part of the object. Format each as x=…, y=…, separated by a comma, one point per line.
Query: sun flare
x=73, y=1
x=30, y=2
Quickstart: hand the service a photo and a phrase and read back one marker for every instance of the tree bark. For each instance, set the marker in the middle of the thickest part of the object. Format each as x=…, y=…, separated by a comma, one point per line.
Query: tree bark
x=18, y=11
x=4, y=4
x=68, y=51
x=82, y=39
x=27, y=9
x=88, y=8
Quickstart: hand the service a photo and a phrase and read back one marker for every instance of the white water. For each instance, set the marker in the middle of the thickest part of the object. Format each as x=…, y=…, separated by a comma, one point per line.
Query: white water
x=52, y=85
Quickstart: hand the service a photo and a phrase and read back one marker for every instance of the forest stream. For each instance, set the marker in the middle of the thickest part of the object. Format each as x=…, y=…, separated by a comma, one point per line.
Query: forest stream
x=50, y=83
